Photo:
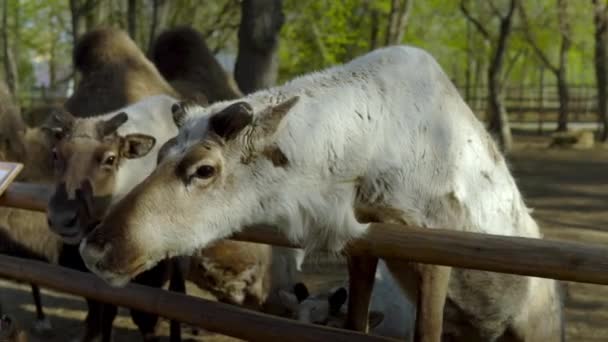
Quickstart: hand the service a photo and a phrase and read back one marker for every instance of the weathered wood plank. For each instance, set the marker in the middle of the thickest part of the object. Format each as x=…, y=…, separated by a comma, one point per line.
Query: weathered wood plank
x=26, y=196
x=535, y=257
x=222, y=318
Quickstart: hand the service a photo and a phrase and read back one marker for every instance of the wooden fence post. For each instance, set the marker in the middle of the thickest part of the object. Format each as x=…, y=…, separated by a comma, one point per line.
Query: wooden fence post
x=361, y=274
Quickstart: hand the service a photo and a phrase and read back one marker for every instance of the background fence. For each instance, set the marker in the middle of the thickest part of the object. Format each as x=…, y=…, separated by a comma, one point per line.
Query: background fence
x=537, y=99
x=525, y=103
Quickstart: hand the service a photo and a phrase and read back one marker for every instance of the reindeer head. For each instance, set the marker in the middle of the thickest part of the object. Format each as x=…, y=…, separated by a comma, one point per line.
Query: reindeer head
x=202, y=190
x=324, y=309
x=87, y=153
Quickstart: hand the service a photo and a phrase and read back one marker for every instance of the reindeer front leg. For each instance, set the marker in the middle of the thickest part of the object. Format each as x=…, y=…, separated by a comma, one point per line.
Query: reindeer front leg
x=433, y=289
x=362, y=270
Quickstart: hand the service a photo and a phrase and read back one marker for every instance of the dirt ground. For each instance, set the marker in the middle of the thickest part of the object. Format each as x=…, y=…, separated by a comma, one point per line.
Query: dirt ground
x=568, y=190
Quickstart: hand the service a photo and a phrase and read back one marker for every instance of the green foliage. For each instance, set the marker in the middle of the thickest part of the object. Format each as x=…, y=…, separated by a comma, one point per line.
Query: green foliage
x=321, y=33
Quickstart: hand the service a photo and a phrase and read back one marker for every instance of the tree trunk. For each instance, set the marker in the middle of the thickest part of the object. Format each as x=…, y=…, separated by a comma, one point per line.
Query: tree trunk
x=564, y=99
x=132, y=19
x=499, y=120
x=468, y=71
x=562, y=82
x=154, y=22
x=497, y=114
x=257, y=62
x=10, y=69
x=53, y=65
x=601, y=62
x=76, y=20
x=374, y=29
x=398, y=16
x=559, y=70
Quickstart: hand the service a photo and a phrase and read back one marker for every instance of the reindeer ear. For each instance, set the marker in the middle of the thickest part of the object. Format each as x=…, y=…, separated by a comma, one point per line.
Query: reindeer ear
x=270, y=119
x=58, y=125
x=231, y=120
x=336, y=300
x=178, y=111
x=137, y=145
x=301, y=291
x=110, y=126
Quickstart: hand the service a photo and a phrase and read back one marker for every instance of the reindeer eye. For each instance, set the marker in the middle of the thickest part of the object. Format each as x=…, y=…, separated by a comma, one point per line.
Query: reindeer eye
x=204, y=172
x=110, y=160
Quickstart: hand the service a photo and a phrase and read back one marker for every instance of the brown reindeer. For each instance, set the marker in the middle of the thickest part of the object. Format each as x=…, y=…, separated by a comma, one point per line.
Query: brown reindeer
x=24, y=233
x=114, y=73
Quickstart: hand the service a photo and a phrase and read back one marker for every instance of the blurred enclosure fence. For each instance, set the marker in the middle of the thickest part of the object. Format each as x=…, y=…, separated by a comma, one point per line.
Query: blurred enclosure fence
x=525, y=103
x=530, y=103
x=562, y=260
x=38, y=103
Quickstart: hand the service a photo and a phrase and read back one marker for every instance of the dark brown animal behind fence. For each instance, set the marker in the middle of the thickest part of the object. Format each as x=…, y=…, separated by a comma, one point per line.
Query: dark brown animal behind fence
x=183, y=58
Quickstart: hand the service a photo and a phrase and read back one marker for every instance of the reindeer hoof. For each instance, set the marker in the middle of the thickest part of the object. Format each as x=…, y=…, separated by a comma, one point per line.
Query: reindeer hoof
x=43, y=326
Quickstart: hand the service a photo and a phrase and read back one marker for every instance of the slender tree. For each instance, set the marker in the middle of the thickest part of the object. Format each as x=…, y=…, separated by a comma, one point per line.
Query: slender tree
x=79, y=9
x=397, y=21
x=559, y=70
x=600, y=19
x=257, y=62
x=10, y=67
x=157, y=22
x=132, y=19
x=499, y=121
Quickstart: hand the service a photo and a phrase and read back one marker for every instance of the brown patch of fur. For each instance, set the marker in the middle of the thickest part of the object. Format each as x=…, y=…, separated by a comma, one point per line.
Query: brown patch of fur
x=235, y=272
x=22, y=232
x=276, y=156
x=82, y=159
x=12, y=127
x=201, y=151
x=493, y=149
x=371, y=214
x=115, y=73
x=183, y=58
x=11, y=331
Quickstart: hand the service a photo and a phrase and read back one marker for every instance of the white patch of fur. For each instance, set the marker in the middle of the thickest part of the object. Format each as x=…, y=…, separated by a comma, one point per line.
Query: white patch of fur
x=151, y=116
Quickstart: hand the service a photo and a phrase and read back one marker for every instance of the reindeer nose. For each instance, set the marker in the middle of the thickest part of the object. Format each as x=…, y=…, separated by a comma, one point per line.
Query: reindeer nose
x=67, y=220
x=92, y=254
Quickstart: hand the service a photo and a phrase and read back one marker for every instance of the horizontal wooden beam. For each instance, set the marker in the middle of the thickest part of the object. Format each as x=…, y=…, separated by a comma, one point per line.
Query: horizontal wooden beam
x=562, y=260
x=26, y=196
x=222, y=318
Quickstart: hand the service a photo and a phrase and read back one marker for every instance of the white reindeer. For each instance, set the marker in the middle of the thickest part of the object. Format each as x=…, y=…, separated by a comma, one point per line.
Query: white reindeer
x=391, y=313
x=386, y=136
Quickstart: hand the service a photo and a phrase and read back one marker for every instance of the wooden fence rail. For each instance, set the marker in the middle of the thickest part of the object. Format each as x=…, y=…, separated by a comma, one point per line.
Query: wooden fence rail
x=516, y=255
x=506, y=254
x=214, y=316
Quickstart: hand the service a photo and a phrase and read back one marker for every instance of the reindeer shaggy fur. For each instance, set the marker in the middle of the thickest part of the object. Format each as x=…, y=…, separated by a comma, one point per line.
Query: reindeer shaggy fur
x=386, y=133
x=244, y=273
x=114, y=73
